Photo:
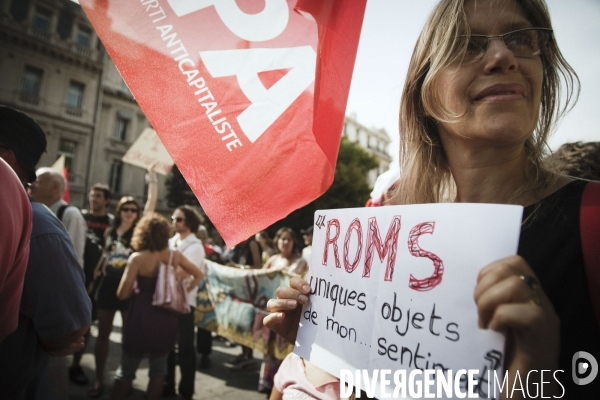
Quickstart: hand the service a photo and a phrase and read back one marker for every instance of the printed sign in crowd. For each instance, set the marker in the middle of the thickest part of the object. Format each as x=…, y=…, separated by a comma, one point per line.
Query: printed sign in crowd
x=247, y=96
x=392, y=289
x=148, y=151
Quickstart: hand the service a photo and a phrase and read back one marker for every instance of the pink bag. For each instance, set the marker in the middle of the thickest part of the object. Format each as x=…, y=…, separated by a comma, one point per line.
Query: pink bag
x=170, y=291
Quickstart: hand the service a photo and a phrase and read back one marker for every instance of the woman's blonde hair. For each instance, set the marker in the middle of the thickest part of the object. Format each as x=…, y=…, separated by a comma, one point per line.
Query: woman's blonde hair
x=425, y=174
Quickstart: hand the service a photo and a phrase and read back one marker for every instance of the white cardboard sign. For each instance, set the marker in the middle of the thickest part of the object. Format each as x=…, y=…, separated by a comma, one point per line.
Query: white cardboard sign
x=392, y=287
x=148, y=149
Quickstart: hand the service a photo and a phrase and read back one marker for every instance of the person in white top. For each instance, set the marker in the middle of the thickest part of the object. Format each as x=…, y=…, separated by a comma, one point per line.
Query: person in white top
x=48, y=189
x=185, y=224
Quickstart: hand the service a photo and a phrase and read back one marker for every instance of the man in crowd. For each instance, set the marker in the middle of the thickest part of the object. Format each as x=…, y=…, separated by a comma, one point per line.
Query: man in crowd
x=185, y=224
x=55, y=311
x=48, y=189
x=97, y=220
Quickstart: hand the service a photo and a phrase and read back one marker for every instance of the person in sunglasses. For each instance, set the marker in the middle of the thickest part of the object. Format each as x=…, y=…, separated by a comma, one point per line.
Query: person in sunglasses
x=484, y=87
x=185, y=223
x=117, y=251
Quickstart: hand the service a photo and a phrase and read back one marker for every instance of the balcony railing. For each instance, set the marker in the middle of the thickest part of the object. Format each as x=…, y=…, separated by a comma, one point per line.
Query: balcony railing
x=82, y=50
x=41, y=33
x=74, y=111
x=29, y=98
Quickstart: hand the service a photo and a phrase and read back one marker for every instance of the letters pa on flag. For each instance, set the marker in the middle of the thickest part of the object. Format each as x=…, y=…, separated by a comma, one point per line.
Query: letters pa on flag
x=248, y=96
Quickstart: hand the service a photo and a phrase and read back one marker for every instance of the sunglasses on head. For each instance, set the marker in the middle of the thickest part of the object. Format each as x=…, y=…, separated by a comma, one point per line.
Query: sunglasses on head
x=129, y=209
x=177, y=219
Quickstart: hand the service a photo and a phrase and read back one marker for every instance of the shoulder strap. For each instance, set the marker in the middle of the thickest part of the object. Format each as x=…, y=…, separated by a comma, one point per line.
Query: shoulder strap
x=171, y=257
x=589, y=222
x=61, y=211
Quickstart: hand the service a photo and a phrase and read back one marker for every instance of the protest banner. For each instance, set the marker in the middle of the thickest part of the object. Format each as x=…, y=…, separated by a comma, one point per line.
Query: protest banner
x=148, y=150
x=247, y=96
x=234, y=303
x=392, y=288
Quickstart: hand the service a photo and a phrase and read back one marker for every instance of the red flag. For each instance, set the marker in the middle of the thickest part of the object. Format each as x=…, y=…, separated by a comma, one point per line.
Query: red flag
x=247, y=96
x=59, y=166
x=66, y=196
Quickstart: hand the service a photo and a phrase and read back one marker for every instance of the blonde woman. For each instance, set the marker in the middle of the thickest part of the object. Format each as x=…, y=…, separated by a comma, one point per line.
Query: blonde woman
x=482, y=93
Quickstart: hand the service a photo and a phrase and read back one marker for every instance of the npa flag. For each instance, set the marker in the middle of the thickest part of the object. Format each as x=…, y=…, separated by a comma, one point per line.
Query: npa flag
x=248, y=96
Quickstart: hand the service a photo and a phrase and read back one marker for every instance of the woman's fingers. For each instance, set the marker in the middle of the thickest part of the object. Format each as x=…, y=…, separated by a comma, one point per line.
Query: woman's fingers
x=296, y=292
x=509, y=290
x=273, y=319
x=519, y=316
x=498, y=270
x=287, y=307
x=275, y=305
x=300, y=285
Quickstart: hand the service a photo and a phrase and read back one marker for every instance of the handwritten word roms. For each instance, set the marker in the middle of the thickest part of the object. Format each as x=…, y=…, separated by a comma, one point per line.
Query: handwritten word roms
x=384, y=248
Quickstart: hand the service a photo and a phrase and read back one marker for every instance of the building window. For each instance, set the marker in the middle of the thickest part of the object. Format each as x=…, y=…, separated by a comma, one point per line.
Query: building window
x=31, y=83
x=84, y=36
x=75, y=98
x=41, y=19
x=67, y=148
x=121, y=127
x=116, y=172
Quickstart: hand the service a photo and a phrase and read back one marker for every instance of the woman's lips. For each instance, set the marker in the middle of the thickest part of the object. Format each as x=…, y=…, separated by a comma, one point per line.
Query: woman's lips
x=501, y=93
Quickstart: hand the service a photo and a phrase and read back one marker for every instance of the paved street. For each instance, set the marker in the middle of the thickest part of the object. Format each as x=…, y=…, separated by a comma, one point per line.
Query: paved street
x=217, y=382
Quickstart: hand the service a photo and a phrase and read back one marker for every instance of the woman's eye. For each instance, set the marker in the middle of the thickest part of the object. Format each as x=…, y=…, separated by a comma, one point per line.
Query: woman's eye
x=475, y=47
x=521, y=39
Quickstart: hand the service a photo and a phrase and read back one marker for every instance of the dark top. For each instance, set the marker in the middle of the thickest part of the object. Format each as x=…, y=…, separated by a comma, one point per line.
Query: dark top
x=118, y=250
x=54, y=303
x=242, y=253
x=551, y=244
x=97, y=225
x=94, y=242
x=149, y=329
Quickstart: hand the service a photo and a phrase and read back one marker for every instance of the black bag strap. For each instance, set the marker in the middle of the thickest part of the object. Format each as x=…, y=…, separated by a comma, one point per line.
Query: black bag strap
x=61, y=211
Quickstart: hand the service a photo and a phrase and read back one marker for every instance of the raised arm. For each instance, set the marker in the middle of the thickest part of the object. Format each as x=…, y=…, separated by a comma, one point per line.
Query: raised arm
x=189, y=267
x=152, y=190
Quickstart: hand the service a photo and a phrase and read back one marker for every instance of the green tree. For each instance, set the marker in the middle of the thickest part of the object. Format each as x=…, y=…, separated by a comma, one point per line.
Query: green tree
x=178, y=190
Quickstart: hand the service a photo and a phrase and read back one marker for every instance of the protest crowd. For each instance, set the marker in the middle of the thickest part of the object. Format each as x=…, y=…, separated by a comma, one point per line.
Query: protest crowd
x=463, y=139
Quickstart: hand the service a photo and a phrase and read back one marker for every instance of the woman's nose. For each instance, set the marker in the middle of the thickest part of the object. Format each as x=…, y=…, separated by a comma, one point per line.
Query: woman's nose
x=498, y=57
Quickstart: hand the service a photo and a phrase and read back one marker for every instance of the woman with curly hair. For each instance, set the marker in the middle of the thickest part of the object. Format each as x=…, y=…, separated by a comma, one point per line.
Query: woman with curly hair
x=149, y=331
x=116, y=252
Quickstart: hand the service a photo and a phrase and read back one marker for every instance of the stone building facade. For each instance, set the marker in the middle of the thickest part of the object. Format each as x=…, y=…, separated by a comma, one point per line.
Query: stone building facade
x=54, y=68
x=373, y=141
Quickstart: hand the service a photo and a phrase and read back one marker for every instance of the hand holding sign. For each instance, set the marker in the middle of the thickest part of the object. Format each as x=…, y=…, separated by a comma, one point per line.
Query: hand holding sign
x=508, y=297
x=287, y=308
x=393, y=300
